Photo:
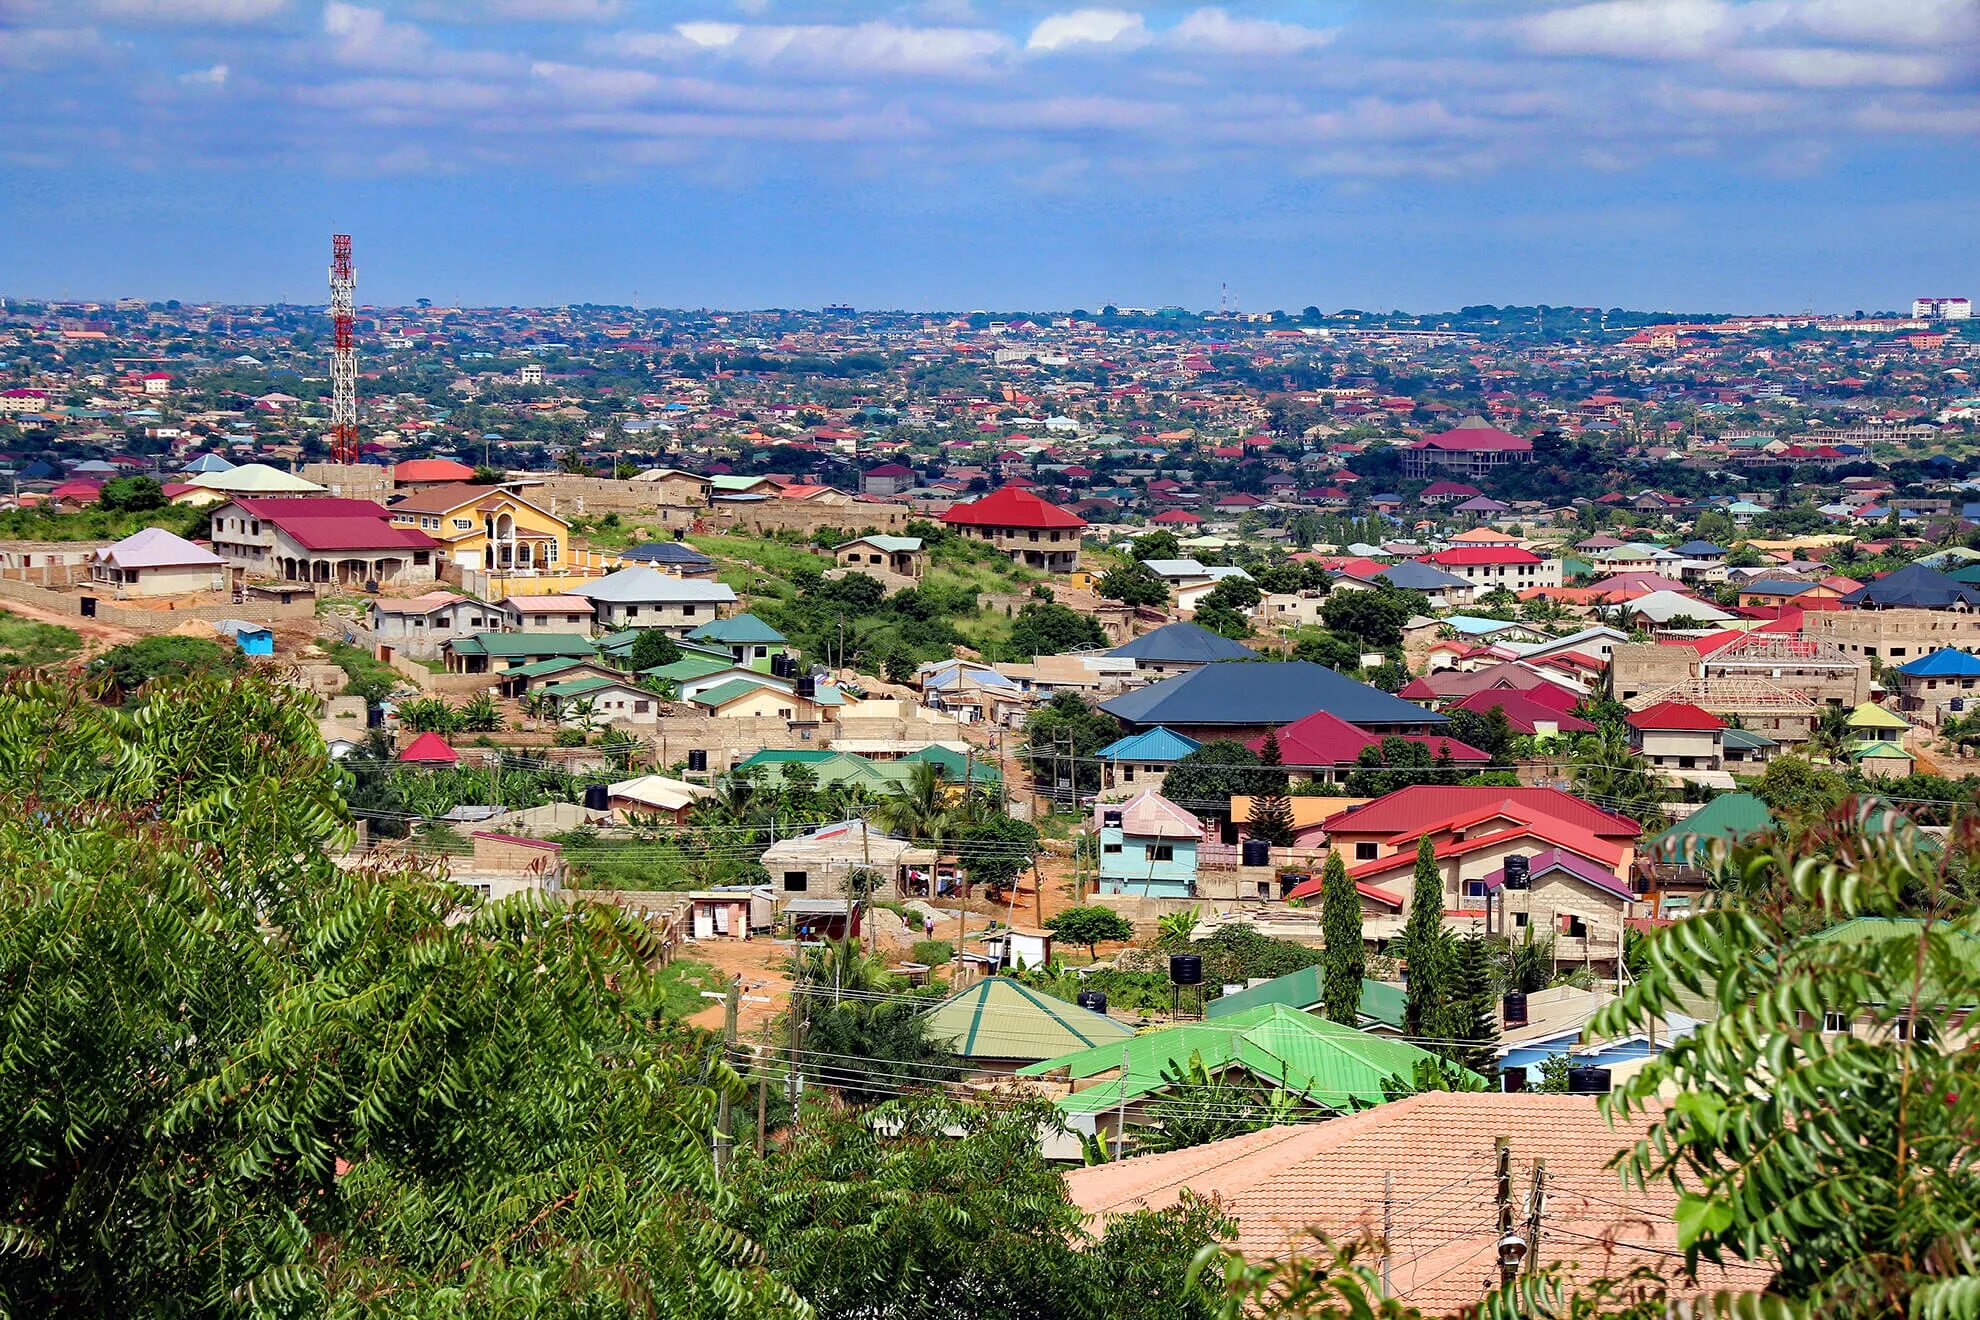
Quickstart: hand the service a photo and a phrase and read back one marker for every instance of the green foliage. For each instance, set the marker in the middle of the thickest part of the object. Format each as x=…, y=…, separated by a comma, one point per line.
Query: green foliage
x=296, y=1089
x=1373, y=619
x=1236, y=954
x=1158, y=544
x=133, y=664
x=1067, y=726
x=1425, y=944
x=1855, y=1154
x=1090, y=926
x=29, y=644
x=1047, y=628
x=1209, y=777
x=1468, y=1013
x=995, y=848
x=1798, y=789
x=1397, y=763
x=1133, y=584
x=933, y=953
x=1177, y=927
x=1271, y=817
x=369, y=677
x=652, y=649
x=1345, y=961
x=1198, y=1106
x=866, y=1045
x=1608, y=772
x=131, y=495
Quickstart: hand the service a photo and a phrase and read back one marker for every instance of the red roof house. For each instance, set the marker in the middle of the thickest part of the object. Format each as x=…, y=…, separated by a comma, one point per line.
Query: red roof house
x=429, y=749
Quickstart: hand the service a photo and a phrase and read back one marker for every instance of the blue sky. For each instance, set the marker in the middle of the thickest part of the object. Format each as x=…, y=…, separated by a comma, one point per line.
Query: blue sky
x=1686, y=154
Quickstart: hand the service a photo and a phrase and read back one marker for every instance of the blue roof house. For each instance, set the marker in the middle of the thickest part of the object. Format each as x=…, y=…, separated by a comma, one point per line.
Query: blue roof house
x=1147, y=847
x=1142, y=760
x=1935, y=686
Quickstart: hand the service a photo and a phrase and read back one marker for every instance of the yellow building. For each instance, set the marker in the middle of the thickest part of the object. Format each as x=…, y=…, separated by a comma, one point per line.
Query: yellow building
x=487, y=528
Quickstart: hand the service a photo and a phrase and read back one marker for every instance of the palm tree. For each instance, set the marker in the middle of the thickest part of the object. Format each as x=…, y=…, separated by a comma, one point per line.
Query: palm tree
x=1607, y=770
x=478, y=714
x=918, y=806
x=1831, y=733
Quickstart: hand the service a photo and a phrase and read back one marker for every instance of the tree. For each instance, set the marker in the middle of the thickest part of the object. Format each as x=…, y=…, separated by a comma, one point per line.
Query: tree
x=1606, y=770
x=1133, y=584
x=875, y=1038
x=299, y=1089
x=996, y=850
x=1048, y=628
x=133, y=664
x=131, y=495
x=1490, y=732
x=1346, y=961
x=1469, y=1011
x=1209, y=777
x=478, y=714
x=1061, y=737
x=1090, y=926
x=1848, y=1171
x=1199, y=1106
x=1797, y=788
x=652, y=649
x=1373, y=618
x=898, y=667
x=1425, y=944
x=1271, y=811
x=1158, y=544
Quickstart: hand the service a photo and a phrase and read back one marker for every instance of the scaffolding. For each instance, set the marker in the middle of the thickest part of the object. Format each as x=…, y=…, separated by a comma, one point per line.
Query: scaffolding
x=1730, y=694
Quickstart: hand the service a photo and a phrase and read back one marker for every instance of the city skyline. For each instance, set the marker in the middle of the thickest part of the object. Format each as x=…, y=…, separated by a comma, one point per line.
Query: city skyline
x=1682, y=155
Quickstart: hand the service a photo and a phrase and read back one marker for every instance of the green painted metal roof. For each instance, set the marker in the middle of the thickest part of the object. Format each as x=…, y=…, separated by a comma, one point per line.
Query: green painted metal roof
x=1326, y=1063
x=1730, y=816
x=582, y=687
x=743, y=628
x=997, y=1018
x=1869, y=715
x=954, y=764
x=1878, y=749
x=722, y=693
x=1380, y=1001
x=541, y=668
x=509, y=646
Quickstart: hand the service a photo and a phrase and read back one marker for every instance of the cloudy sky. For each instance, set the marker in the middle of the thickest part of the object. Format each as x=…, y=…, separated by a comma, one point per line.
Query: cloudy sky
x=1691, y=154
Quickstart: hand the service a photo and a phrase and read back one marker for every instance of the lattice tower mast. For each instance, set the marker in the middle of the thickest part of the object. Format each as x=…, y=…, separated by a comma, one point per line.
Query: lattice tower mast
x=343, y=352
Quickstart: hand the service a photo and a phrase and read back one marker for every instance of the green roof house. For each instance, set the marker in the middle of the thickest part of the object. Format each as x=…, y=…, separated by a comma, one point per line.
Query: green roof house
x=745, y=638
x=1380, y=1010
x=999, y=1025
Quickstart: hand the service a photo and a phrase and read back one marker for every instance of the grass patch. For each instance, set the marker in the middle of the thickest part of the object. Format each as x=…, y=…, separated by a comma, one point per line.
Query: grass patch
x=758, y=566
x=683, y=980
x=370, y=677
x=27, y=644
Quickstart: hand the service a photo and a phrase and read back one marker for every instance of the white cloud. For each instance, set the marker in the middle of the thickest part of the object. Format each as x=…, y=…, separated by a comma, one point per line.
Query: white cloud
x=1898, y=22
x=213, y=77
x=40, y=48
x=364, y=36
x=840, y=49
x=1117, y=28
x=1827, y=68
x=1214, y=29
x=1635, y=29
x=190, y=11
x=558, y=11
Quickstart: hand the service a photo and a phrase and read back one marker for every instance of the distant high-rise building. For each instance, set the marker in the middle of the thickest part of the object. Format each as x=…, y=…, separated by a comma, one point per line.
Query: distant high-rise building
x=1942, y=309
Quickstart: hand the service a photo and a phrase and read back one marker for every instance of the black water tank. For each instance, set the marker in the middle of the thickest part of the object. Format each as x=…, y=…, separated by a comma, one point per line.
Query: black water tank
x=1110, y=820
x=1186, y=969
x=1257, y=852
x=596, y=797
x=1093, y=1001
x=1514, y=1079
x=1515, y=1009
x=1588, y=1081
x=807, y=686
x=1516, y=871
x=374, y=717
x=698, y=759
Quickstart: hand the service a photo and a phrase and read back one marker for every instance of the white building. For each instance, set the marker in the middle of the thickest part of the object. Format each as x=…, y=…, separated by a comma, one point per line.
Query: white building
x=1942, y=309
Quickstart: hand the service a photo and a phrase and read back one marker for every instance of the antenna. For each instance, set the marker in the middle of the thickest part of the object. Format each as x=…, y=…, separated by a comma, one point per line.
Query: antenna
x=343, y=352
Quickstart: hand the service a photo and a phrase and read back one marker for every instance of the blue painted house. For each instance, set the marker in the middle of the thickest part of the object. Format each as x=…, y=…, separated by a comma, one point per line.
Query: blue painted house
x=252, y=638
x=1147, y=847
x=1142, y=760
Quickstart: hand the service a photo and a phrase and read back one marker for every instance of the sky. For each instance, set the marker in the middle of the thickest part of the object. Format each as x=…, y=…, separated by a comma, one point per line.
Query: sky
x=1689, y=155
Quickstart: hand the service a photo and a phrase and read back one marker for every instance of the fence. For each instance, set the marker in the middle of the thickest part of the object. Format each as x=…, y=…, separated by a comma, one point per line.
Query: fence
x=150, y=620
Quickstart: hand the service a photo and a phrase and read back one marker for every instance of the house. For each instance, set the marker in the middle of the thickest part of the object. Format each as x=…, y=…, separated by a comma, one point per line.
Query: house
x=568, y=614
x=256, y=639
x=1701, y=561
x=1445, y=590
x=999, y=1025
x=887, y=480
x=429, y=749
x=762, y=697
x=1323, y=1066
x=732, y=912
x=495, y=652
x=1473, y=448
x=656, y=795
x=1391, y=824
x=590, y=700
x=903, y=556
x=1329, y=748
x=1524, y=715
x=671, y=488
x=1242, y=700
x=675, y=557
x=1431, y=1153
x=1177, y=648
x=1380, y=1011
x=321, y=539
x=815, y=864
x=1679, y=738
x=419, y=473
x=1488, y=567
x=489, y=528
x=748, y=640
x=1583, y=905
x=250, y=480
x=643, y=597
x=155, y=562
x=419, y=626
x=1147, y=847
x=1032, y=531
x=1870, y=722
x=1882, y=760
x=1141, y=760
x=1937, y=685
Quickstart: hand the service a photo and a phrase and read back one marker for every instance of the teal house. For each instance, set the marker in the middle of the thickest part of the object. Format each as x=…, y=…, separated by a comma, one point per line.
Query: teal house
x=1147, y=847
x=745, y=637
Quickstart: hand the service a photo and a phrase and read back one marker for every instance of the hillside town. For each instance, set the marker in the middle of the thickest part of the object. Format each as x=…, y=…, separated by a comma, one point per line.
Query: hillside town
x=1281, y=750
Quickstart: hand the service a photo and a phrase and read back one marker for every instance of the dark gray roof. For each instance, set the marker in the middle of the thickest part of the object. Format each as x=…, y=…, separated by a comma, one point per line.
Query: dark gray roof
x=1412, y=576
x=1699, y=548
x=1183, y=643
x=1275, y=692
x=666, y=552
x=1916, y=587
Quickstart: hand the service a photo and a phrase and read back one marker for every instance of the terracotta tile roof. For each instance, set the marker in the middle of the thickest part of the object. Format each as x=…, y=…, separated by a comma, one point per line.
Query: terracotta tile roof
x=1280, y=1182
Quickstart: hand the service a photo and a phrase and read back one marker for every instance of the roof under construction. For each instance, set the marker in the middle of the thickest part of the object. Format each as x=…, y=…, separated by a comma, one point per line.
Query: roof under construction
x=1729, y=694
x=1763, y=650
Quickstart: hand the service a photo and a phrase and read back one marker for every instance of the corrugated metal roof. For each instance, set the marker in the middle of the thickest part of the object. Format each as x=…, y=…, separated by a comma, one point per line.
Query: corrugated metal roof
x=1273, y=692
x=997, y=1018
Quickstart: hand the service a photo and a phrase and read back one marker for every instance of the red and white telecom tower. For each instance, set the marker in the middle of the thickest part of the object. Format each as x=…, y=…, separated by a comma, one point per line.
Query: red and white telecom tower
x=343, y=352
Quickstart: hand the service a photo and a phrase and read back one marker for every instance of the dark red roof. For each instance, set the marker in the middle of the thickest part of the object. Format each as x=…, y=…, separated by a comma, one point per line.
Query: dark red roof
x=328, y=522
x=1474, y=437
x=1675, y=715
x=429, y=749
x=1523, y=712
x=1324, y=739
x=1012, y=507
x=1426, y=804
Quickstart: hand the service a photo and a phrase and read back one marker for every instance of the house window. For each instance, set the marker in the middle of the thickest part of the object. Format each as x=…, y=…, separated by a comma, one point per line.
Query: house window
x=422, y=557
x=1110, y=848
x=1915, y=1030
x=1474, y=889
x=1519, y=921
x=687, y=611
x=1127, y=774
x=632, y=611
x=464, y=524
x=794, y=882
x=1577, y=929
x=1162, y=852
x=1835, y=1024
x=1364, y=852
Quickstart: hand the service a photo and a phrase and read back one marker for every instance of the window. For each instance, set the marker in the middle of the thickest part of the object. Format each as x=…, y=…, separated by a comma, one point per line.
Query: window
x=1835, y=1024
x=464, y=524
x=1474, y=889
x=1915, y=1030
x=1576, y=928
x=1110, y=848
x=632, y=611
x=687, y=611
x=795, y=882
x=1161, y=852
x=1127, y=774
x=1364, y=852
x=422, y=557
x=1519, y=921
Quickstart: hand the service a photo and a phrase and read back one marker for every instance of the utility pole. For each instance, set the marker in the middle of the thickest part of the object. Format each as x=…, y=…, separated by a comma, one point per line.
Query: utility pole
x=1502, y=1197
x=1388, y=1227
x=762, y=1109
x=794, y=1080
x=1536, y=1205
x=724, y=1139
x=1120, y=1112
